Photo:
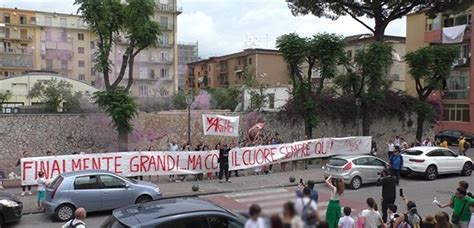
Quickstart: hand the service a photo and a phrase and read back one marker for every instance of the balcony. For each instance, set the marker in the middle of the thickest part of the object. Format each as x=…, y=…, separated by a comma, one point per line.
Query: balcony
x=168, y=8
x=57, y=54
x=436, y=36
x=16, y=60
x=166, y=26
x=165, y=44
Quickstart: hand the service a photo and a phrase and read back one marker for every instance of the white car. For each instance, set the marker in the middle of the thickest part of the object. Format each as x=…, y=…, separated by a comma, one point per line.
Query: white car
x=431, y=161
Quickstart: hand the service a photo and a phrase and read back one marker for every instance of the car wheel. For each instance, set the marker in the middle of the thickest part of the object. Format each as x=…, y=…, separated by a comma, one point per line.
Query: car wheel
x=431, y=173
x=65, y=212
x=143, y=199
x=356, y=182
x=467, y=169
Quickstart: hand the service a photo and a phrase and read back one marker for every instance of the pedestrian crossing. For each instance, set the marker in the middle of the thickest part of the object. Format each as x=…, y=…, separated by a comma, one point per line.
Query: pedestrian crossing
x=272, y=200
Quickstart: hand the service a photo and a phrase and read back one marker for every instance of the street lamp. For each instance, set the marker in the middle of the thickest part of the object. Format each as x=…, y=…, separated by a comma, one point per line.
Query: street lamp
x=358, y=104
x=189, y=101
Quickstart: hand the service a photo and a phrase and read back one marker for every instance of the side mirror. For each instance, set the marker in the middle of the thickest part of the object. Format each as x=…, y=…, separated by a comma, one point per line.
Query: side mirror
x=127, y=186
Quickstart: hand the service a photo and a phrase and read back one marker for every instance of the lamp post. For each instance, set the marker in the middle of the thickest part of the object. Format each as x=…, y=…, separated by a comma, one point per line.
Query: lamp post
x=189, y=101
x=358, y=104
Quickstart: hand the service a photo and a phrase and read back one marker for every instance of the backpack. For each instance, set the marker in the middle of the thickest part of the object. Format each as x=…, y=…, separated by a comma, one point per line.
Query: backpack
x=414, y=220
x=70, y=225
x=467, y=145
x=309, y=214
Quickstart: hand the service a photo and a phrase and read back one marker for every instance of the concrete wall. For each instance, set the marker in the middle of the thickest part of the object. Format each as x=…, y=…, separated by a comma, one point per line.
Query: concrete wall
x=65, y=134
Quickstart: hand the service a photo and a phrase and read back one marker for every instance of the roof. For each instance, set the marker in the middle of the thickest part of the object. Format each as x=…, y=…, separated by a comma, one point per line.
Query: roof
x=163, y=208
x=85, y=172
x=369, y=37
x=243, y=53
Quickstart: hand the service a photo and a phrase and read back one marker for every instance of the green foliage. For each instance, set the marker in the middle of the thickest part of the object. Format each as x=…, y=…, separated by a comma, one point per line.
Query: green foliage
x=248, y=78
x=224, y=98
x=257, y=99
x=119, y=105
x=4, y=96
x=53, y=93
x=430, y=66
x=179, y=101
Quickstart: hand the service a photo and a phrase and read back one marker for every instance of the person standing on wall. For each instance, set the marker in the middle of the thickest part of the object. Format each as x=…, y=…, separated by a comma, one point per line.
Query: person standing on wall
x=224, y=163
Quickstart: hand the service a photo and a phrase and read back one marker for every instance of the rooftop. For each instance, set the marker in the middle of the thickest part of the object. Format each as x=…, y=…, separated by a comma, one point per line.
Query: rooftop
x=369, y=37
x=243, y=53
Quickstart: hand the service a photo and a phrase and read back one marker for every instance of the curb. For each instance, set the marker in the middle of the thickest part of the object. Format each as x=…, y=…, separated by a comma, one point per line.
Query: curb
x=209, y=193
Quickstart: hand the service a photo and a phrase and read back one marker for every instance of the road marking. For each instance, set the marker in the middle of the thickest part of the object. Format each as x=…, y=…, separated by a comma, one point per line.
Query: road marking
x=261, y=198
x=259, y=192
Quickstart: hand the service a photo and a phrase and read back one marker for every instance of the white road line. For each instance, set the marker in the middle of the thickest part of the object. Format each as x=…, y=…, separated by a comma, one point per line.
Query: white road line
x=277, y=203
x=259, y=192
x=262, y=198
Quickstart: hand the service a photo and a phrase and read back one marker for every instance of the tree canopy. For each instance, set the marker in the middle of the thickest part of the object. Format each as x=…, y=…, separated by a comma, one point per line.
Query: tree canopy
x=54, y=93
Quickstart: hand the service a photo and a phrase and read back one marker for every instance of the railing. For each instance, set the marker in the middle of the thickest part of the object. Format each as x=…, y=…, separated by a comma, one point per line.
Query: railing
x=167, y=26
x=168, y=7
x=16, y=60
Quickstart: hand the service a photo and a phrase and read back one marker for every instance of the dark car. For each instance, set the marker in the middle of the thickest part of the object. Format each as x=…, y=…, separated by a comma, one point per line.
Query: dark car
x=182, y=212
x=452, y=136
x=10, y=208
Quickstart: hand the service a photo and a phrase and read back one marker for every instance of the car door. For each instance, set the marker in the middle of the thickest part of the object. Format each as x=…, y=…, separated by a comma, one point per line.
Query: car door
x=86, y=193
x=115, y=192
x=221, y=221
x=376, y=166
x=437, y=157
x=363, y=169
x=454, y=163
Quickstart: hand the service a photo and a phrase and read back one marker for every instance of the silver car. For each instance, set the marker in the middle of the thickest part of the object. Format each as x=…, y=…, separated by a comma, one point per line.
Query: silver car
x=95, y=190
x=355, y=169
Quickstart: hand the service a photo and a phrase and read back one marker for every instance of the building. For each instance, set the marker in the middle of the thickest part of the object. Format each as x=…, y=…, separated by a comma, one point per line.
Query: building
x=36, y=40
x=19, y=87
x=187, y=53
x=17, y=41
x=457, y=98
x=276, y=97
x=266, y=65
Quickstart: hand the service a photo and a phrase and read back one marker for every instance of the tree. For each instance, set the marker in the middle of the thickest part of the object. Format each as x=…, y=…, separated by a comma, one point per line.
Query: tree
x=130, y=24
x=429, y=67
x=365, y=78
x=258, y=99
x=323, y=50
x=4, y=96
x=54, y=93
x=381, y=11
x=122, y=108
x=224, y=98
x=179, y=101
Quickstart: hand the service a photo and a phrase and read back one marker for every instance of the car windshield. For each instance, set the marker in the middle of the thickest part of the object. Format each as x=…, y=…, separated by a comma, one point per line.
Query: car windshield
x=132, y=180
x=412, y=152
x=337, y=161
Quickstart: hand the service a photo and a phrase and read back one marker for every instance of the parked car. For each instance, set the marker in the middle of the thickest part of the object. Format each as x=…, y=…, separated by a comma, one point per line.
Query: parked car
x=182, y=212
x=355, y=169
x=10, y=208
x=95, y=190
x=431, y=161
x=452, y=136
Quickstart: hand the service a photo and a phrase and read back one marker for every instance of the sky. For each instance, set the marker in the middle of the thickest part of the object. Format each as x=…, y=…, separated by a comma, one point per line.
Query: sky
x=226, y=26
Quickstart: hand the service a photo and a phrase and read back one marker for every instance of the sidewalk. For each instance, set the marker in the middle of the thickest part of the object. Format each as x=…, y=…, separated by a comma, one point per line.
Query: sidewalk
x=242, y=183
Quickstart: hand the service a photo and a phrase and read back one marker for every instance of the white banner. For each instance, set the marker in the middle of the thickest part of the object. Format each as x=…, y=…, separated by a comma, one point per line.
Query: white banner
x=220, y=125
x=183, y=162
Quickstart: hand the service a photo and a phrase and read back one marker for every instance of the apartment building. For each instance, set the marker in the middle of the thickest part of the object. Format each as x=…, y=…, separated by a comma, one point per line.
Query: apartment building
x=267, y=65
x=187, y=53
x=396, y=76
x=17, y=41
x=456, y=96
x=155, y=69
x=36, y=40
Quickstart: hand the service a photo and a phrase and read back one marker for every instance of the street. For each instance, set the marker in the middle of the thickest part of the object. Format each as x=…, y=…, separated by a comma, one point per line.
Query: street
x=271, y=199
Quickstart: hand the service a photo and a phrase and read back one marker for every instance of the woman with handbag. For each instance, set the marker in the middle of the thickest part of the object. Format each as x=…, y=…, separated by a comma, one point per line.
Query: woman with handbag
x=460, y=204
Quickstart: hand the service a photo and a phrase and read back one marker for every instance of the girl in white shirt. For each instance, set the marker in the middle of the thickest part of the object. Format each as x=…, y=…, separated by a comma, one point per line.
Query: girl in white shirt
x=371, y=216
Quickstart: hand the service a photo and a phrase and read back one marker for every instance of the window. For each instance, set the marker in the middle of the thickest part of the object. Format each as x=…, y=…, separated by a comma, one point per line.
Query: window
x=361, y=161
x=376, y=162
x=48, y=35
x=436, y=153
x=223, y=222
x=457, y=85
x=48, y=21
x=6, y=17
x=152, y=74
x=413, y=152
x=49, y=64
x=271, y=100
x=250, y=60
x=23, y=19
x=193, y=222
x=143, y=90
x=164, y=22
x=80, y=63
x=164, y=73
x=111, y=182
x=7, y=32
x=64, y=64
x=466, y=51
x=165, y=56
x=63, y=22
x=86, y=182
x=456, y=112
x=448, y=153
x=63, y=36
x=80, y=36
x=23, y=34
x=33, y=20
x=164, y=39
x=80, y=50
x=82, y=77
x=92, y=45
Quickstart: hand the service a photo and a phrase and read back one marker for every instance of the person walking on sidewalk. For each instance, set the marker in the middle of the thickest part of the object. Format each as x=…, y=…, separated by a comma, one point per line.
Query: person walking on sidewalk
x=78, y=220
x=462, y=141
x=396, y=161
x=224, y=163
x=333, y=212
x=41, y=190
x=18, y=163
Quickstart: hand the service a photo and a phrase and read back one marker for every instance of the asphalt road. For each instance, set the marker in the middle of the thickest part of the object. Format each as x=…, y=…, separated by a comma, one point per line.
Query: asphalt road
x=417, y=189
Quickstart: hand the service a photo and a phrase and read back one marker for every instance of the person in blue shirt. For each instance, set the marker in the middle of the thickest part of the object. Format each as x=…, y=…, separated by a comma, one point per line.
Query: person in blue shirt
x=396, y=161
x=314, y=193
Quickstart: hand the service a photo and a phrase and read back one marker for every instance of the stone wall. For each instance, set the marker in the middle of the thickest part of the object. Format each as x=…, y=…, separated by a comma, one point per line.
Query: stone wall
x=65, y=134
